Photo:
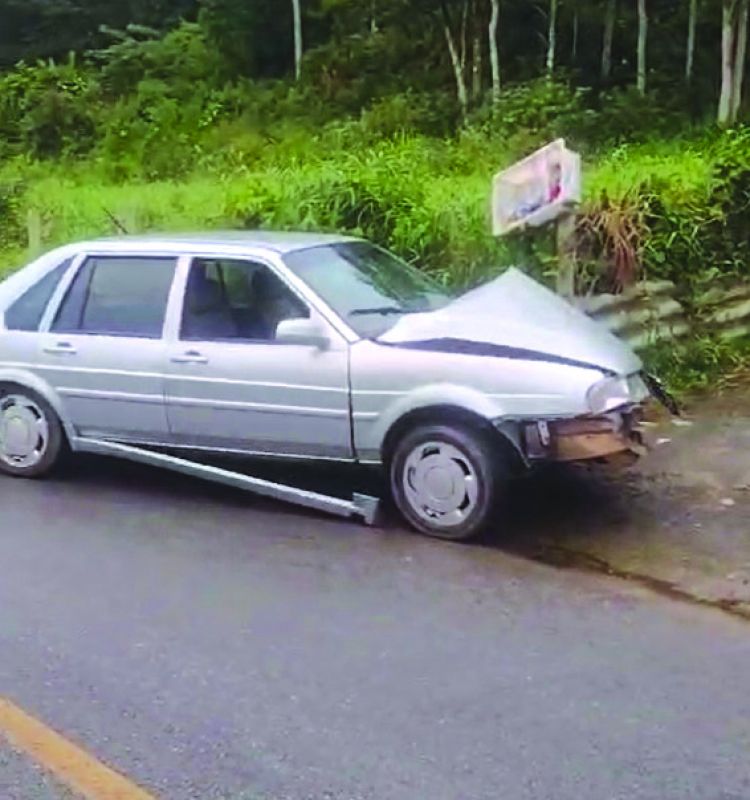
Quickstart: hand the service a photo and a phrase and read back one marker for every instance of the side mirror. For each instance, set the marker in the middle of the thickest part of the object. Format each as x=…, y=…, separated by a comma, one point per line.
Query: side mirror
x=303, y=331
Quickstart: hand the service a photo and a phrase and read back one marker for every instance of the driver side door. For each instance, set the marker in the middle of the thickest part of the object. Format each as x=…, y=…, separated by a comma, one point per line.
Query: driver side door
x=231, y=386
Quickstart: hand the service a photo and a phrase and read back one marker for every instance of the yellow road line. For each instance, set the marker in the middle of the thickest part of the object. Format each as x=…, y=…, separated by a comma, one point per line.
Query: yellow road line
x=71, y=765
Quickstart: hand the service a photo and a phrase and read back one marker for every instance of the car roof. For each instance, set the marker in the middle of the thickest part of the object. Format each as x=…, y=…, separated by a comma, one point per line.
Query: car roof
x=280, y=242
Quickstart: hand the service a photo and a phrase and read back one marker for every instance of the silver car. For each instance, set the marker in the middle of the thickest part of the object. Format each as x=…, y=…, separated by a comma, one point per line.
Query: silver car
x=308, y=346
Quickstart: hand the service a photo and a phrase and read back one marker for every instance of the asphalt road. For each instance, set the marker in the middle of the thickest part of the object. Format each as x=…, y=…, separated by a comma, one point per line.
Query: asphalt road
x=22, y=780
x=211, y=645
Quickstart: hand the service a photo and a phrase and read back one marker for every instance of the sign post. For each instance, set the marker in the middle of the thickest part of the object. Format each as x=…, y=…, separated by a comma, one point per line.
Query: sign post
x=544, y=187
x=566, y=259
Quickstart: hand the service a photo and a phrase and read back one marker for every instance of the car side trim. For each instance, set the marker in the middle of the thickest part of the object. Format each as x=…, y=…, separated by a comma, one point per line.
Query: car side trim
x=93, y=394
x=361, y=506
x=270, y=408
x=171, y=376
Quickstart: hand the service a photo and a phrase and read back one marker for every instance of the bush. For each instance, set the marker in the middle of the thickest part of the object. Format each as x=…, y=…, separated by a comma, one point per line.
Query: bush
x=530, y=114
x=690, y=202
x=625, y=115
x=410, y=112
x=47, y=110
x=11, y=224
x=182, y=59
x=700, y=363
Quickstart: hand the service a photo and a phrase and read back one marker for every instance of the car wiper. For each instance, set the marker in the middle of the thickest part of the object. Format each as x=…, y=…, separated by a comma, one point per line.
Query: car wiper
x=384, y=310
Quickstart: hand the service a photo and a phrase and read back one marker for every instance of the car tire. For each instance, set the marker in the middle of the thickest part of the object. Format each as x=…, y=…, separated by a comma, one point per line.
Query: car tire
x=32, y=439
x=448, y=480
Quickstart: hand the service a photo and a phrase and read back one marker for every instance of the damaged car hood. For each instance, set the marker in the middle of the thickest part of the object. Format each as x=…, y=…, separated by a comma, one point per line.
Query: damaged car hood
x=513, y=316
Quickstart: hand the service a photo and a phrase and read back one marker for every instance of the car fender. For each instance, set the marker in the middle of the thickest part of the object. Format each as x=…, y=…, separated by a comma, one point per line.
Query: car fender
x=30, y=380
x=435, y=395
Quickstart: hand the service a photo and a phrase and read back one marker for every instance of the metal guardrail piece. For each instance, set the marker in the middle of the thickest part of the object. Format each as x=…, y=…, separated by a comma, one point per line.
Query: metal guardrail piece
x=651, y=311
x=361, y=506
x=641, y=315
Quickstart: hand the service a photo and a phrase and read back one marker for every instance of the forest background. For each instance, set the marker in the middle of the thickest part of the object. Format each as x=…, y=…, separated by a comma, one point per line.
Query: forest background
x=388, y=118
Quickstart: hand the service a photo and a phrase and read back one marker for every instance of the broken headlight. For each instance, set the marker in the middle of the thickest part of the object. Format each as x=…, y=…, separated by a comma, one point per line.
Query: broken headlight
x=608, y=394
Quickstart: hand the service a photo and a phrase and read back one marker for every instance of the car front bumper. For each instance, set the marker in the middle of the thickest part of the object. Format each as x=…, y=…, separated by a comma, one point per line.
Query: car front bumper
x=614, y=437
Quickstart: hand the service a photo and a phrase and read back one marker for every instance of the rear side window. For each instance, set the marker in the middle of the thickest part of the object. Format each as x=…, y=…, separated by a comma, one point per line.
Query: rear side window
x=118, y=297
x=27, y=312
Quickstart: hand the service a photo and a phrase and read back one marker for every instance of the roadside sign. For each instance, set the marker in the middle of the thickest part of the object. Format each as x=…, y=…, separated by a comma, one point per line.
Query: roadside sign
x=539, y=189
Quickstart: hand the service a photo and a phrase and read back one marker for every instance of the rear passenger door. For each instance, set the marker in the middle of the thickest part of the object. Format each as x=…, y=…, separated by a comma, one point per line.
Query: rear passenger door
x=103, y=351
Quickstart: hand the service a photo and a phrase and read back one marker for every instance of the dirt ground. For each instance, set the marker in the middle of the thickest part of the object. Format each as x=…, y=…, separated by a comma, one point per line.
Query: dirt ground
x=678, y=521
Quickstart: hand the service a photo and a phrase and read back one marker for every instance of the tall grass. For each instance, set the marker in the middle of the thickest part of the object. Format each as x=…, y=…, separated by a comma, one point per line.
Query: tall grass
x=424, y=197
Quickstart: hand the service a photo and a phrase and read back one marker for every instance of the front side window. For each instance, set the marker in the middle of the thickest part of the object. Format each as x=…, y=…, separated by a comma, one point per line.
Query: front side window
x=236, y=300
x=27, y=312
x=113, y=296
x=366, y=286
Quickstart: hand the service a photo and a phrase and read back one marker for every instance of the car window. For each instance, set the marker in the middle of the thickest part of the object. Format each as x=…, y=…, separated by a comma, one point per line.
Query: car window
x=366, y=286
x=118, y=297
x=27, y=312
x=242, y=300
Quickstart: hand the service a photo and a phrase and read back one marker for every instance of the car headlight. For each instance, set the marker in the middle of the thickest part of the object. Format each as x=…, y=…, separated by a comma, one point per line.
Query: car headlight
x=608, y=394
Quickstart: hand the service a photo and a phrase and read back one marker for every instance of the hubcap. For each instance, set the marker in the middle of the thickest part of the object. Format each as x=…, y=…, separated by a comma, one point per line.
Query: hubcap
x=24, y=432
x=440, y=483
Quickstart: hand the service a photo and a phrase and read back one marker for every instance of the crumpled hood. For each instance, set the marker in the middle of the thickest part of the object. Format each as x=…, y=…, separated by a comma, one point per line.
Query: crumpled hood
x=518, y=318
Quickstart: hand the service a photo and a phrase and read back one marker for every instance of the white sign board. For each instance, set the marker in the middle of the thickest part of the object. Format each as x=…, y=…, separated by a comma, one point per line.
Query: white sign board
x=537, y=190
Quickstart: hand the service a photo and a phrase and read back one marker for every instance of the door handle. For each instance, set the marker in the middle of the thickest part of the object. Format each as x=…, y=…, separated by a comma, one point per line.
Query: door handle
x=61, y=349
x=191, y=357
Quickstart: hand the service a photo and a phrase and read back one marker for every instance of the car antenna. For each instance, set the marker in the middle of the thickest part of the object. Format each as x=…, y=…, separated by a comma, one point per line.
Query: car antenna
x=116, y=222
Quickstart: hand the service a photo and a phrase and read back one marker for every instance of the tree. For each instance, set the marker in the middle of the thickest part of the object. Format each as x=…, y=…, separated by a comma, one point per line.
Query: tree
x=690, y=48
x=297, y=14
x=610, y=14
x=456, y=41
x=733, y=52
x=476, y=51
x=494, y=56
x=551, y=37
x=642, y=44
x=32, y=29
x=251, y=35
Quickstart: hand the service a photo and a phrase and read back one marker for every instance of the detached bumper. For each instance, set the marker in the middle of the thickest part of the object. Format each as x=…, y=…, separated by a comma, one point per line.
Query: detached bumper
x=615, y=437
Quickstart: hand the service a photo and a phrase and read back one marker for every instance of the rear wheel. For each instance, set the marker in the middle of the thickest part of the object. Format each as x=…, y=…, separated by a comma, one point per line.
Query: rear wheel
x=31, y=436
x=447, y=480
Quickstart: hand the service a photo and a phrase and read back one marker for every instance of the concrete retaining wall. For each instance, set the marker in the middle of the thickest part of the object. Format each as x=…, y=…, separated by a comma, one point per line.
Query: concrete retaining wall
x=649, y=312
x=726, y=312
x=642, y=315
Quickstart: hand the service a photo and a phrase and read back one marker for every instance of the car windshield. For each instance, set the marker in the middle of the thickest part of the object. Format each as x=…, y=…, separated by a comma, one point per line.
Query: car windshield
x=366, y=286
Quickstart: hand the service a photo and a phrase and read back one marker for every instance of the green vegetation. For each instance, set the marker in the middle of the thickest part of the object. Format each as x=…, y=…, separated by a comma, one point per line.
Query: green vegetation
x=186, y=114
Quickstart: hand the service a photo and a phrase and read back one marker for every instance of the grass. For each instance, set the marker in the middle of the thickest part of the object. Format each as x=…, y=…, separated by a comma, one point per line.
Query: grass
x=677, y=169
x=426, y=198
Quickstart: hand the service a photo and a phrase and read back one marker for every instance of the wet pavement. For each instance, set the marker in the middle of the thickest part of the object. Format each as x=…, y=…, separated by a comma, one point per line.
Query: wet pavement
x=679, y=521
x=22, y=780
x=209, y=644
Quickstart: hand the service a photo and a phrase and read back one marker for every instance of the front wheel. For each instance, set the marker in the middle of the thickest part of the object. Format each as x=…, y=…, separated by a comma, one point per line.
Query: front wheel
x=447, y=481
x=31, y=436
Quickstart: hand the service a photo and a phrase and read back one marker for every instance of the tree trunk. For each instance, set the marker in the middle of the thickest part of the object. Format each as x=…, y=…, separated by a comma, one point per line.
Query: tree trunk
x=476, y=64
x=733, y=51
x=494, y=57
x=552, y=37
x=297, y=10
x=464, y=49
x=642, y=44
x=739, y=72
x=456, y=62
x=690, y=49
x=574, y=41
x=727, y=62
x=610, y=13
